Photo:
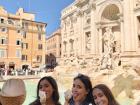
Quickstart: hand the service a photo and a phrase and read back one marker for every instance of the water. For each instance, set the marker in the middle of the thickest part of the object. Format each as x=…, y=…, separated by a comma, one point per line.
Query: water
x=31, y=86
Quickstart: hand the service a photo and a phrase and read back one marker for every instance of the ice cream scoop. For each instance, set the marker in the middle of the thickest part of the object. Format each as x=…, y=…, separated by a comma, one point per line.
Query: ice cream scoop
x=68, y=94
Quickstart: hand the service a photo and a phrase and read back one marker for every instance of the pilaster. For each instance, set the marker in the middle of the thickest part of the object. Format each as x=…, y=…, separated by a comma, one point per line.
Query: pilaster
x=129, y=42
x=94, y=35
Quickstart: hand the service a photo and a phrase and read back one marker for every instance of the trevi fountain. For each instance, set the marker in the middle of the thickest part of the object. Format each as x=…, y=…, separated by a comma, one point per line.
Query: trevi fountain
x=101, y=38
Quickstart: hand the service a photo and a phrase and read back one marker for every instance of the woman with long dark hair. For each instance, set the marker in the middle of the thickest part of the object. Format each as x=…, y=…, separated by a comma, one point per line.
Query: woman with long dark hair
x=81, y=91
x=47, y=92
x=102, y=95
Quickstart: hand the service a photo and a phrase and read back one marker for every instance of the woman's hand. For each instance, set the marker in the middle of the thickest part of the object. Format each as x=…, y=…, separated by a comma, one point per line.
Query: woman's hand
x=68, y=95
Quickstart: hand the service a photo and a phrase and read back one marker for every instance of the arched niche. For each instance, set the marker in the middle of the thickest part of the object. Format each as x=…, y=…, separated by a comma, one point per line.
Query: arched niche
x=110, y=13
x=111, y=40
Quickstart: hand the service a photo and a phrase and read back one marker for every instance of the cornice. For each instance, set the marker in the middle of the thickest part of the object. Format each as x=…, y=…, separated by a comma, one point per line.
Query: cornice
x=80, y=3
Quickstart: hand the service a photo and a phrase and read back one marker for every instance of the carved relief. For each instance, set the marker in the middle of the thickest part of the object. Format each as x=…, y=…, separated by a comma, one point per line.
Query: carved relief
x=79, y=12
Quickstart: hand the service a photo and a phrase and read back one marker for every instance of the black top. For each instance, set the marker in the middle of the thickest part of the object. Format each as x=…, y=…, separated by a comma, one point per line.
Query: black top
x=85, y=102
x=37, y=102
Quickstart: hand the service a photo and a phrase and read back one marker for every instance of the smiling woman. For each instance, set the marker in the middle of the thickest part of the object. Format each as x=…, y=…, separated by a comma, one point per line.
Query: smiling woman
x=102, y=95
x=47, y=87
x=81, y=91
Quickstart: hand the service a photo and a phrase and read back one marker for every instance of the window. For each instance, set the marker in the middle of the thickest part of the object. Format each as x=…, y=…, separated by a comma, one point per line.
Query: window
x=3, y=41
x=39, y=58
x=25, y=25
x=39, y=27
x=1, y=20
x=39, y=36
x=24, y=34
x=40, y=46
x=24, y=58
x=10, y=21
x=24, y=46
x=18, y=42
x=65, y=46
x=18, y=53
x=2, y=53
x=71, y=44
x=3, y=29
x=18, y=31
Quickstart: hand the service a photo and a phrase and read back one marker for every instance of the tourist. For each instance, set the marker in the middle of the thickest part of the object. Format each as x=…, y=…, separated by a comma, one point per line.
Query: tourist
x=47, y=92
x=13, y=92
x=102, y=95
x=81, y=91
x=138, y=103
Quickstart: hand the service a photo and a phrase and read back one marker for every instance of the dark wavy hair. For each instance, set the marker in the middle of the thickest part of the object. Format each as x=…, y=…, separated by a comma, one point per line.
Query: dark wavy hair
x=88, y=86
x=55, y=95
x=107, y=92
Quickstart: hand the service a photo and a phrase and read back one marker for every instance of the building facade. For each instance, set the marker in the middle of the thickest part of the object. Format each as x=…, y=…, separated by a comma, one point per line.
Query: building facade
x=53, y=48
x=22, y=40
x=104, y=31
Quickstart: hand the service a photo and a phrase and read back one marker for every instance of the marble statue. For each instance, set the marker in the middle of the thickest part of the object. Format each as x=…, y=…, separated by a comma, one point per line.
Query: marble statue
x=108, y=38
x=106, y=60
x=120, y=85
x=88, y=41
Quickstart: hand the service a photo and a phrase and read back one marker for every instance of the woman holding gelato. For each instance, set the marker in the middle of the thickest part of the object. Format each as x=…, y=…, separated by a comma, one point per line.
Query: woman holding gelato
x=47, y=92
x=81, y=91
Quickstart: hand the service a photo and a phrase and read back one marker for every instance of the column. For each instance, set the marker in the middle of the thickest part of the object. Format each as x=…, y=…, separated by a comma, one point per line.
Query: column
x=99, y=45
x=94, y=34
x=129, y=37
x=122, y=33
x=80, y=32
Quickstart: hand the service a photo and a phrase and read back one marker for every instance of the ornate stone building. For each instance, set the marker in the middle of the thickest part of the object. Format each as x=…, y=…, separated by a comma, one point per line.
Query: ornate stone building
x=103, y=31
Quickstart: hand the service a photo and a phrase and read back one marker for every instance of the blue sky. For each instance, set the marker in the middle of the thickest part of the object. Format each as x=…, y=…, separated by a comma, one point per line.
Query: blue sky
x=47, y=11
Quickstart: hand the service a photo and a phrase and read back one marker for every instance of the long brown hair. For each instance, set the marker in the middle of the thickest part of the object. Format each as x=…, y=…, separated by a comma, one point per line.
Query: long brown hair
x=55, y=95
x=107, y=92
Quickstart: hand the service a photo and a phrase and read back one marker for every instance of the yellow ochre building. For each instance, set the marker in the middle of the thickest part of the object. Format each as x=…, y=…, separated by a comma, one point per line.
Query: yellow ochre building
x=22, y=40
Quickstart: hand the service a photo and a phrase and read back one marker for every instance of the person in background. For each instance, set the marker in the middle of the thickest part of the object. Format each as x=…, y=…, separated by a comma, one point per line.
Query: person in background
x=47, y=92
x=138, y=103
x=102, y=95
x=81, y=91
x=13, y=92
